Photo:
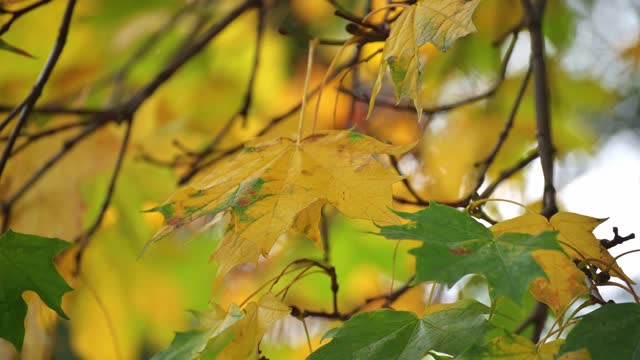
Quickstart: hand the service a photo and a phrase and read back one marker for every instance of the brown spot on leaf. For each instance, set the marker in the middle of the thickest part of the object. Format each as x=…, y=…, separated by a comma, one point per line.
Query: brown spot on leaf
x=460, y=251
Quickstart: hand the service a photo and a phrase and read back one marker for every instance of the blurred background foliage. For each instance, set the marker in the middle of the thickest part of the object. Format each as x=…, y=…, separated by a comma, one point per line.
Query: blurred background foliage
x=128, y=308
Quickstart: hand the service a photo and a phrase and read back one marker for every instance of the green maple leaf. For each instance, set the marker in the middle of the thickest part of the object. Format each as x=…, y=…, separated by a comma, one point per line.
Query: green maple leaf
x=387, y=334
x=611, y=332
x=26, y=263
x=456, y=245
x=440, y=22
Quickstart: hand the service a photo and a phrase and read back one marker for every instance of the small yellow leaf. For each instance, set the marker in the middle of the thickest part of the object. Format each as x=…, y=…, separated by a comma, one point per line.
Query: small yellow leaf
x=582, y=354
x=514, y=347
x=307, y=223
x=234, y=250
x=440, y=22
x=565, y=281
x=249, y=331
x=577, y=230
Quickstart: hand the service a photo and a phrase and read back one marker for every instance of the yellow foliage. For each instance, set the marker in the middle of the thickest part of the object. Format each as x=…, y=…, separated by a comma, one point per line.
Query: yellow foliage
x=269, y=184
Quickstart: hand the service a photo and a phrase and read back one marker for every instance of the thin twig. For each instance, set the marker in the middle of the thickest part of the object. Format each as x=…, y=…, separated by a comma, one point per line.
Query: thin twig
x=83, y=240
x=389, y=298
x=33, y=97
x=16, y=14
x=486, y=163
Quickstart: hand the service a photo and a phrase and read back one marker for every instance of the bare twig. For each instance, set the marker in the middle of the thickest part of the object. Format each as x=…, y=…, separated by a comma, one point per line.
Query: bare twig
x=617, y=239
x=83, y=240
x=486, y=163
x=33, y=97
x=388, y=298
x=15, y=15
x=62, y=110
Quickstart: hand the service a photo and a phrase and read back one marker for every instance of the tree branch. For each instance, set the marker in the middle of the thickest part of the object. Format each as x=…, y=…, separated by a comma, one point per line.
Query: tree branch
x=486, y=163
x=534, y=17
x=389, y=299
x=33, y=97
x=15, y=15
x=534, y=20
x=84, y=238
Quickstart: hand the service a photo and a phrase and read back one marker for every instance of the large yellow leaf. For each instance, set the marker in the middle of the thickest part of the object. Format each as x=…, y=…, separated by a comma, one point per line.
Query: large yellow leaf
x=440, y=22
x=276, y=186
x=575, y=233
x=259, y=317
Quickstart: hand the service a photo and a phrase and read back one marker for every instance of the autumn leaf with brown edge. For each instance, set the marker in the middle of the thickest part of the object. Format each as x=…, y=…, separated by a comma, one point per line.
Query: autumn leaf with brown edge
x=276, y=186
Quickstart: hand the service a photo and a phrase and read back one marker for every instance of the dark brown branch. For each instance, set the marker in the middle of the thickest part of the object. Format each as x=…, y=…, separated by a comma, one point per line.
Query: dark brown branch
x=83, y=240
x=534, y=16
x=534, y=11
x=617, y=239
x=33, y=97
x=15, y=15
x=539, y=312
x=389, y=300
x=62, y=110
x=407, y=183
x=32, y=138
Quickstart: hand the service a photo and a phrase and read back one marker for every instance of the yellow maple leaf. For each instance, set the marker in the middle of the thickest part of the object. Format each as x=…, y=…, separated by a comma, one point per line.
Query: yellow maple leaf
x=515, y=347
x=440, y=22
x=276, y=186
x=259, y=317
x=575, y=233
